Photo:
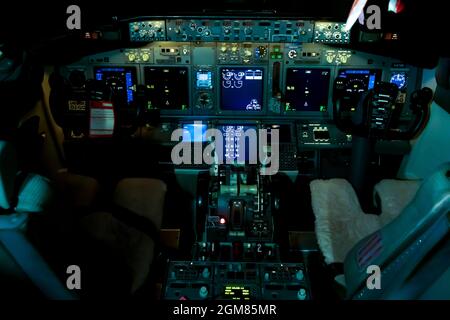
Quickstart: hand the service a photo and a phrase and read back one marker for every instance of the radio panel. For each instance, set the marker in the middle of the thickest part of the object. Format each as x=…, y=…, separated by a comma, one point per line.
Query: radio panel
x=238, y=281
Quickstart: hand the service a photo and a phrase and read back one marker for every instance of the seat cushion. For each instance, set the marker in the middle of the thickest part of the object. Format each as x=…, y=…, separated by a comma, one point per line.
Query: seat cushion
x=340, y=222
x=394, y=196
x=144, y=197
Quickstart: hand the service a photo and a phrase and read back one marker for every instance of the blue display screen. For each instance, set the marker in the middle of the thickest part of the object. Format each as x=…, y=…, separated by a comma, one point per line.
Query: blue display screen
x=204, y=80
x=194, y=132
x=241, y=89
x=232, y=137
x=399, y=79
x=123, y=80
x=361, y=79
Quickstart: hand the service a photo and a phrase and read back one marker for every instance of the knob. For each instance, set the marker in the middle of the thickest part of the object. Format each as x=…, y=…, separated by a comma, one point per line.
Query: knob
x=223, y=49
x=301, y=294
x=234, y=49
x=206, y=273
x=266, y=276
x=247, y=53
x=203, y=292
x=292, y=54
x=145, y=57
x=299, y=275
x=131, y=57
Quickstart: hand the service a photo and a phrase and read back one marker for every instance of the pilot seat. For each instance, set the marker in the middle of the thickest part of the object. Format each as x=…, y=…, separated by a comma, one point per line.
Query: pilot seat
x=350, y=238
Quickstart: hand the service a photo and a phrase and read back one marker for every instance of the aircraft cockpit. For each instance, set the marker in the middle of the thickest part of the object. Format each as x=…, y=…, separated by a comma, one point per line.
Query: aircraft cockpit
x=226, y=155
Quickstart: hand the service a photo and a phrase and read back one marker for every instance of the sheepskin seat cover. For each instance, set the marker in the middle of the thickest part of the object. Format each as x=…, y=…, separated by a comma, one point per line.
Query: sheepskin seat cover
x=341, y=223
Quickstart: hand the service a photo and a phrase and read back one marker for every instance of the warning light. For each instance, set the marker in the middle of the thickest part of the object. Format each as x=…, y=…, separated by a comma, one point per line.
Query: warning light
x=222, y=221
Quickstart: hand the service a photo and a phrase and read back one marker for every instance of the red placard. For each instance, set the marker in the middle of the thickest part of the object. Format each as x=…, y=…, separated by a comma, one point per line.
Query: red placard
x=102, y=119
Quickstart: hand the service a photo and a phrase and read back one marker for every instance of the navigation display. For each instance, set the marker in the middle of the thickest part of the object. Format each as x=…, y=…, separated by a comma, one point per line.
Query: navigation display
x=167, y=87
x=307, y=89
x=241, y=89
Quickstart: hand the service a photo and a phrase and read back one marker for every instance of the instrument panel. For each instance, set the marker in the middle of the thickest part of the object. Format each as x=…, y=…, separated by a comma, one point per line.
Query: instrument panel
x=264, y=71
x=215, y=78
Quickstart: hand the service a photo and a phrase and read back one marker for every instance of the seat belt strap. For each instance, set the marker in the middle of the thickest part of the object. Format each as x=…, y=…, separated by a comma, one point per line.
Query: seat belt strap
x=34, y=266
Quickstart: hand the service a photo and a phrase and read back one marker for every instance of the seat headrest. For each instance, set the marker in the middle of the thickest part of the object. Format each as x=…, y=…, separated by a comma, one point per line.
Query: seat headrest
x=442, y=94
x=8, y=171
x=443, y=73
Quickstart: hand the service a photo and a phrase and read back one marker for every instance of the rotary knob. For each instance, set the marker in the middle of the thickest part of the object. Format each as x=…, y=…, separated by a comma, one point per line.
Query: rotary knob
x=292, y=54
x=203, y=292
x=131, y=57
x=145, y=57
x=301, y=294
x=299, y=275
x=206, y=273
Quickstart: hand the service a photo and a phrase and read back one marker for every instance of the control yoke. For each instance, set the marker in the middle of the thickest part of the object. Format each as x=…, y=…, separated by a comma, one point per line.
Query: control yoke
x=376, y=113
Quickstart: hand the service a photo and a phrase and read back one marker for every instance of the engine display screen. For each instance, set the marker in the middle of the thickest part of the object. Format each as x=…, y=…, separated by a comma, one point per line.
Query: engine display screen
x=121, y=79
x=167, y=87
x=233, y=140
x=194, y=132
x=359, y=80
x=307, y=89
x=241, y=89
